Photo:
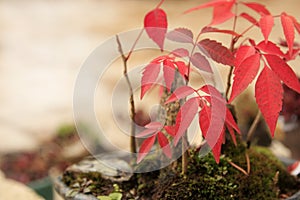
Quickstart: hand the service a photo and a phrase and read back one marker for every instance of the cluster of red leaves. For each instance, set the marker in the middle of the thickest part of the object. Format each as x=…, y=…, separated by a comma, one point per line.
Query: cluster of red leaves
x=247, y=59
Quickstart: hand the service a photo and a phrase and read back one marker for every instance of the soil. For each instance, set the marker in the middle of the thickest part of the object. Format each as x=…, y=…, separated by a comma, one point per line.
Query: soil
x=268, y=179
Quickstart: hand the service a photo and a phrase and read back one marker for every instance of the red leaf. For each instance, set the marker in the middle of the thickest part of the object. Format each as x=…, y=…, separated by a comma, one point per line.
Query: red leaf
x=180, y=93
x=164, y=144
x=259, y=8
x=145, y=148
x=149, y=77
x=270, y=48
x=208, y=29
x=182, y=68
x=232, y=134
x=244, y=75
x=296, y=24
x=188, y=111
x=171, y=130
x=154, y=125
x=288, y=30
x=155, y=23
x=146, y=132
x=230, y=122
x=217, y=147
x=201, y=62
x=180, y=52
x=249, y=18
x=268, y=94
x=182, y=35
x=209, y=4
x=212, y=128
x=242, y=53
x=216, y=51
x=215, y=98
x=169, y=73
x=266, y=23
x=222, y=13
x=222, y=10
x=289, y=57
x=284, y=72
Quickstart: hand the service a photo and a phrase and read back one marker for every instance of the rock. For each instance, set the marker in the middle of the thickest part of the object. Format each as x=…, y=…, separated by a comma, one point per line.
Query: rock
x=10, y=189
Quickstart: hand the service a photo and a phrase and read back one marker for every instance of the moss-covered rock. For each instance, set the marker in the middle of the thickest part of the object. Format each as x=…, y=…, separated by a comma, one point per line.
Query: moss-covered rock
x=204, y=179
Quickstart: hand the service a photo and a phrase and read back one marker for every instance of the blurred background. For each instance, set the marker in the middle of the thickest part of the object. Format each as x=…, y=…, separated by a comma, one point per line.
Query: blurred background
x=42, y=46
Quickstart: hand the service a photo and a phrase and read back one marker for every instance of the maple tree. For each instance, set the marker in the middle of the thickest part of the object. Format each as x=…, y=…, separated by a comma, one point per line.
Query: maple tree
x=262, y=62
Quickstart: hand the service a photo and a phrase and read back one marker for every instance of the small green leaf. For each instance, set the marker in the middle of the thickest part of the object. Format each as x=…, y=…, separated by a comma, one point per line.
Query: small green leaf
x=115, y=196
x=104, y=198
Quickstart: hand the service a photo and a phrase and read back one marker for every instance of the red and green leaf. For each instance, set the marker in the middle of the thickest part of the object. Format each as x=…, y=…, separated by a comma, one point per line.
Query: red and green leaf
x=216, y=51
x=268, y=94
x=288, y=30
x=244, y=75
x=155, y=23
x=200, y=62
x=164, y=144
x=283, y=71
x=145, y=148
x=188, y=111
x=149, y=77
x=266, y=24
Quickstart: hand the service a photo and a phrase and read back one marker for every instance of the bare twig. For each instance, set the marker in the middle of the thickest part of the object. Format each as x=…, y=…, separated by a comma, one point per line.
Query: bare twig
x=253, y=128
x=132, y=106
x=238, y=167
x=248, y=163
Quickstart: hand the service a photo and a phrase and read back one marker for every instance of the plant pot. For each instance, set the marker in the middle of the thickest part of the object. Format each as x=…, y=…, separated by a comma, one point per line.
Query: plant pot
x=43, y=187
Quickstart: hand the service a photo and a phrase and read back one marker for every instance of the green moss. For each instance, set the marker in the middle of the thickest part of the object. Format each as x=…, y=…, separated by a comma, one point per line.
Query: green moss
x=204, y=179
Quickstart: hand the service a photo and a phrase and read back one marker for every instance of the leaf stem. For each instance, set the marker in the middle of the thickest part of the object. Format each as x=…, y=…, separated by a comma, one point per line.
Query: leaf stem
x=233, y=41
x=132, y=105
x=160, y=3
x=253, y=128
x=134, y=44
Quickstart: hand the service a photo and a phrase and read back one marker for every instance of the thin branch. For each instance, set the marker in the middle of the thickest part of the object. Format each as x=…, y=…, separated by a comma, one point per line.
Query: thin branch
x=233, y=41
x=248, y=163
x=134, y=44
x=238, y=167
x=253, y=128
x=132, y=106
x=160, y=3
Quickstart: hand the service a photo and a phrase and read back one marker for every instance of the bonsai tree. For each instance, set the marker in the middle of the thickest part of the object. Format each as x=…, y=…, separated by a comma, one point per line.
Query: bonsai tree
x=263, y=62
x=183, y=99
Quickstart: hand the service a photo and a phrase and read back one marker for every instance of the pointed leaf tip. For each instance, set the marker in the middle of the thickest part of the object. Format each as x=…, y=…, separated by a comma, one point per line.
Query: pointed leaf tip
x=145, y=148
x=287, y=23
x=266, y=23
